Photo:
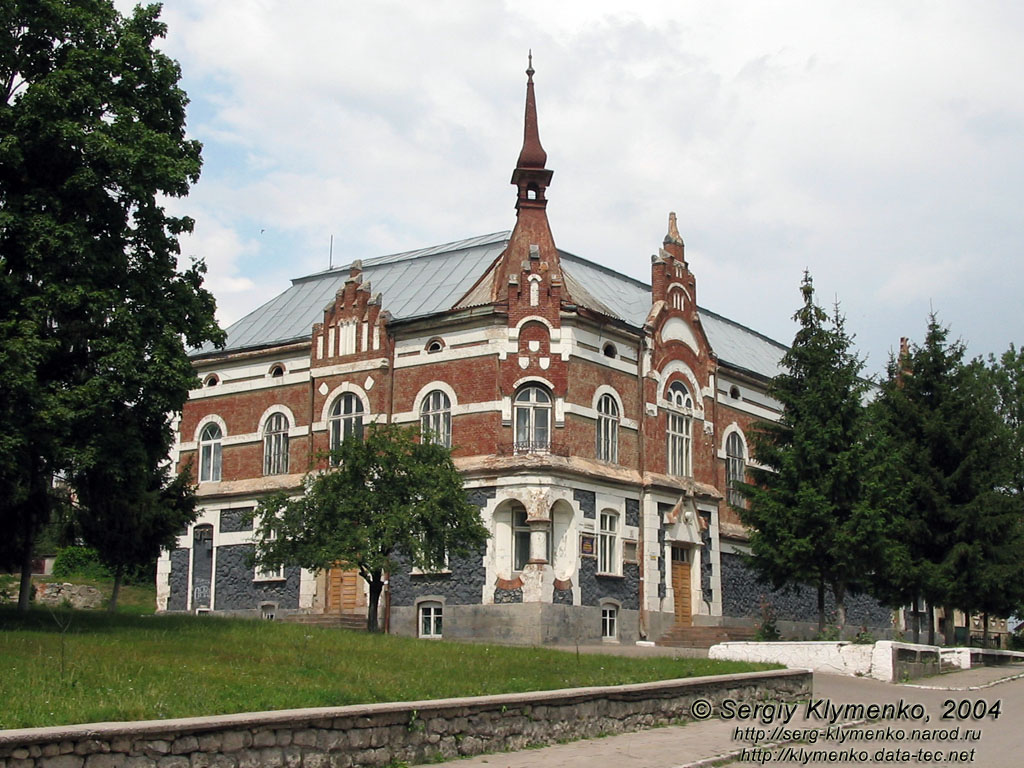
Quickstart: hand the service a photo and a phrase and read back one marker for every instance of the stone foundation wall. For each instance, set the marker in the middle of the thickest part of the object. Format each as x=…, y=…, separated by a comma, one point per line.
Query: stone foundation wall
x=380, y=734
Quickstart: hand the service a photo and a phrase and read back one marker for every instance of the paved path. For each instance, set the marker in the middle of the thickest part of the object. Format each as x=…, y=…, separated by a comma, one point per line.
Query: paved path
x=1001, y=741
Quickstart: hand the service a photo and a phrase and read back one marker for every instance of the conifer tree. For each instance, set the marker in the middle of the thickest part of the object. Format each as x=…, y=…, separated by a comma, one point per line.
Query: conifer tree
x=810, y=521
x=958, y=540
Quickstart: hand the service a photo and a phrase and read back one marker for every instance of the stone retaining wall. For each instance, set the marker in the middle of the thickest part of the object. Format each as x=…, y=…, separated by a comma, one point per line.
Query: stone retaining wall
x=380, y=734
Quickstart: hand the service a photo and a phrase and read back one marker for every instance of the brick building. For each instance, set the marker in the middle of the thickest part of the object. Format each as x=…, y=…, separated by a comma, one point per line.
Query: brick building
x=598, y=422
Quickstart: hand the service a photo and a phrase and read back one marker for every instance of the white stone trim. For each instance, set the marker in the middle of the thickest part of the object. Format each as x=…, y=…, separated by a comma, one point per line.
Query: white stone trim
x=276, y=408
x=334, y=394
x=353, y=367
x=696, y=392
x=208, y=419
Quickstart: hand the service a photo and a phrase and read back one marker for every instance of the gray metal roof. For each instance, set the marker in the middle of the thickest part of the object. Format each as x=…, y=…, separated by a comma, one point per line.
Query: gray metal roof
x=430, y=280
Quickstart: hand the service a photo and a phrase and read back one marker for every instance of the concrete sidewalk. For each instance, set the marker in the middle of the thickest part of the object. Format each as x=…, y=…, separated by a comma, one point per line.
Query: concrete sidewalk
x=715, y=742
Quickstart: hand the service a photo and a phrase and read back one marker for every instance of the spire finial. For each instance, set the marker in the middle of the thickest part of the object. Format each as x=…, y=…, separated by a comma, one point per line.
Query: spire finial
x=533, y=154
x=673, y=237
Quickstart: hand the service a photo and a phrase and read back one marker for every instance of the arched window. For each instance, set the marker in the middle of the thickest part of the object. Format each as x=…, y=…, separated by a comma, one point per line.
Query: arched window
x=211, y=381
x=275, y=445
x=210, y=453
x=680, y=430
x=345, y=419
x=277, y=370
x=533, y=420
x=735, y=469
x=436, y=418
x=610, y=351
x=607, y=429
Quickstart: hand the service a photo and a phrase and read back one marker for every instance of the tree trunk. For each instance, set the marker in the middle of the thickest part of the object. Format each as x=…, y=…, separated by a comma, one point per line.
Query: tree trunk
x=916, y=616
x=376, y=586
x=839, y=592
x=931, y=624
x=821, y=607
x=118, y=575
x=950, y=634
x=26, y=579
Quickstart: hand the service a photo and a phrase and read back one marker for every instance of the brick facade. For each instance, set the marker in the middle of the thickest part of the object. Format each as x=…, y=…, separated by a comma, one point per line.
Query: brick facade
x=523, y=358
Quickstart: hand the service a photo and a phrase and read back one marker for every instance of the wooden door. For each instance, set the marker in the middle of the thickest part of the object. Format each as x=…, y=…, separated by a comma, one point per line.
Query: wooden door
x=681, y=586
x=345, y=592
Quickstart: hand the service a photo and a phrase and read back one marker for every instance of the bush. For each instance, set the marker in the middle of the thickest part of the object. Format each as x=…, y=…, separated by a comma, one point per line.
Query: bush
x=767, y=630
x=82, y=562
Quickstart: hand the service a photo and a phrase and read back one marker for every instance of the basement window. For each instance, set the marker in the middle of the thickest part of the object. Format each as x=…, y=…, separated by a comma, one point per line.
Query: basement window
x=431, y=620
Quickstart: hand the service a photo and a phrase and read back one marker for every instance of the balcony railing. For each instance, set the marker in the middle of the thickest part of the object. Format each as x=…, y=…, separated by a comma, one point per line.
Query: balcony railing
x=533, y=447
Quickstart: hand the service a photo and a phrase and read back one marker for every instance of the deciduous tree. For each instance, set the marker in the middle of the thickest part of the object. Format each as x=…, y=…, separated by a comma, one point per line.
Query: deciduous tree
x=95, y=313
x=387, y=502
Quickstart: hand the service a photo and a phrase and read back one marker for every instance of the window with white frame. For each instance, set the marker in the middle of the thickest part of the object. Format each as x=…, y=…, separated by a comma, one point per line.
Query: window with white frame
x=345, y=419
x=533, y=420
x=210, y=453
x=520, y=538
x=608, y=543
x=436, y=418
x=607, y=429
x=680, y=430
x=609, y=622
x=273, y=573
x=735, y=469
x=275, y=445
x=431, y=619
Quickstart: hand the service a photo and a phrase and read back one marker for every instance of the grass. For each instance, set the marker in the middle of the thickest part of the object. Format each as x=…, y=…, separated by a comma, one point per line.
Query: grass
x=60, y=667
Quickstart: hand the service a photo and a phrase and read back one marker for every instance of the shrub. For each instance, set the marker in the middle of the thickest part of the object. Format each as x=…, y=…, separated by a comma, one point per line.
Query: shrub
x=767, y=631
x=82, y=562
x=863, y=637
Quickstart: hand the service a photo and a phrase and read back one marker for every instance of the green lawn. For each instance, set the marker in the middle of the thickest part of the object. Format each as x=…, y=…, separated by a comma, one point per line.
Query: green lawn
x=124, y=667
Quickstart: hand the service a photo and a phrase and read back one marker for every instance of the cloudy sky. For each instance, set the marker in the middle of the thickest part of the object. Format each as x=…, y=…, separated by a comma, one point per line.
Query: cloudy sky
x=877, y=144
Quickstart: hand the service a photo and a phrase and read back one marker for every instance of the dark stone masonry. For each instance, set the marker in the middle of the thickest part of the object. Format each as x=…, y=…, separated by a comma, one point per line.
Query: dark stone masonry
x=742, y=595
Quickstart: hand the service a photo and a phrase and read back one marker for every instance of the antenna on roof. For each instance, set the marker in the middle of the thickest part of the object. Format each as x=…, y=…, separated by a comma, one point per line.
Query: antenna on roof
x=330, y=254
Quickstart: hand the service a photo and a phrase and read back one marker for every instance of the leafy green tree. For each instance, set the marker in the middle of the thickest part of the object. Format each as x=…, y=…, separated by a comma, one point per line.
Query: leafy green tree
x=1008, y=379
x=958, y=540
x=808, y=509
x=94, y=310
x=388, y=502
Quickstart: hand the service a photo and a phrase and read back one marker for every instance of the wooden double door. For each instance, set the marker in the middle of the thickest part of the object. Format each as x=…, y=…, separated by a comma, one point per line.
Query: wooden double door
x=681, y=587
x=345, y=593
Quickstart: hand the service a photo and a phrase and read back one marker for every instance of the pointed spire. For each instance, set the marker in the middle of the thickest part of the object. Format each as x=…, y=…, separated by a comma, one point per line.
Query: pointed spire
x=673, y=237
x=532, y=154
x=530, y=175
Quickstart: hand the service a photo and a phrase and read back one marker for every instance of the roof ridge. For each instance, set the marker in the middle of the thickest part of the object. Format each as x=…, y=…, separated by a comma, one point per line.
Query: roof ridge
x=418, y=253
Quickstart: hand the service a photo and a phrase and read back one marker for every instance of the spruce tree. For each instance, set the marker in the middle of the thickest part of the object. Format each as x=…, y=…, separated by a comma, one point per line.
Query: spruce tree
x=958, y=541
x=810, y=523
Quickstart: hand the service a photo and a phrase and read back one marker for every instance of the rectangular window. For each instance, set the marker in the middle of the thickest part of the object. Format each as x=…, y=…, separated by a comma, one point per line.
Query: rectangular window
x=269, y=574
x=431, y=620
x=520, y=540
x=608, y=544
x=679, y=445
x=609, y=619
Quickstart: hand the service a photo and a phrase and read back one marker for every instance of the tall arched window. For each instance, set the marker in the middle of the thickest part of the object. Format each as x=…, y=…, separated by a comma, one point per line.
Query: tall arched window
x=607, y=429
x=533, y=420
x=275, y=445
x=345, y=419
x=210, y=453
x=735, y=469
x=436, y=418
x=680, y=430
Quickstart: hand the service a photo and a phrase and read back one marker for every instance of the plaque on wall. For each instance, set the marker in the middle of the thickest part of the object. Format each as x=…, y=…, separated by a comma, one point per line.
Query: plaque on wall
x=587, y=546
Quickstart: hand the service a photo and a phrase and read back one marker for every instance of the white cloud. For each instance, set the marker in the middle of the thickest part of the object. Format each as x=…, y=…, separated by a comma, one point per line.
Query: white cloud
x=875, y=144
